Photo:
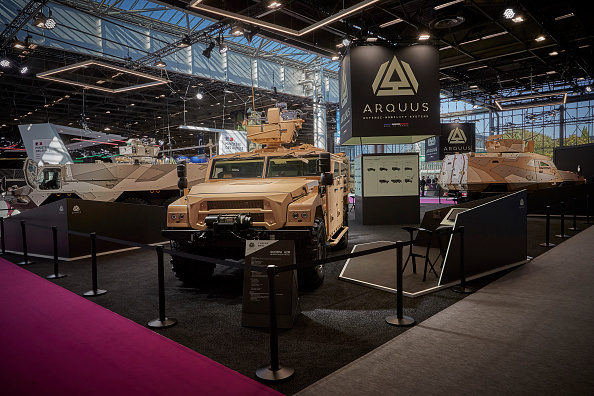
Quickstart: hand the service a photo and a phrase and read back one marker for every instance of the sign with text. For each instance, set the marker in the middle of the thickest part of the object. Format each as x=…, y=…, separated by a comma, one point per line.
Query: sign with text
x=255, y=308
x=456, y=137
x=388, y=175
x=432, y=152
x=232, y=142
x=389, y=94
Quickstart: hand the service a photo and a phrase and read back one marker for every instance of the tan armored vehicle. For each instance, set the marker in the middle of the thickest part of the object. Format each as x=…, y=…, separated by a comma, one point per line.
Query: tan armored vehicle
x=298, y=193
x=508, y=165
x=136, y=176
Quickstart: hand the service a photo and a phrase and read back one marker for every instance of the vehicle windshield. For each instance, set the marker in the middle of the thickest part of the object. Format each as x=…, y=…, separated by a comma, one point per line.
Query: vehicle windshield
x=49, y=179
x=291, y=166
x=237, y=168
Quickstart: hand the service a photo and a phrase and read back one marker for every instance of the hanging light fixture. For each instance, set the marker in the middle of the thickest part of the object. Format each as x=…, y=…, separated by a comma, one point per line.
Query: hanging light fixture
x=237, y=30
x=208, y=50
x=18, y=44
x=199, y=95
x=222, y=46
x=184, y=43
x=5, y=63
x=43, y=22
x=160, y=63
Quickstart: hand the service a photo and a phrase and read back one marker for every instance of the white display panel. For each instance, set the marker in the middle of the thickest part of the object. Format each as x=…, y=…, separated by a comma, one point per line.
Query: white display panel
x=390, y=175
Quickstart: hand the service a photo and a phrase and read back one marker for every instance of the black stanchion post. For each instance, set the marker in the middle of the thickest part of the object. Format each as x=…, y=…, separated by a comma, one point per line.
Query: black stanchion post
x=274, y=372
x=399, y=319
x=575, y=227
x=548, y=230
x=2, y=231
x=562, y=233
x=462, y=288
x=56, y=273
x=95, y=291
x=25, y=255
x=587, y=210
x=163, y=321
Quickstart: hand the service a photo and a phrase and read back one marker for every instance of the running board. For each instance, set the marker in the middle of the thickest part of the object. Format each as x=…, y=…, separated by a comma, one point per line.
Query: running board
x=338, y=236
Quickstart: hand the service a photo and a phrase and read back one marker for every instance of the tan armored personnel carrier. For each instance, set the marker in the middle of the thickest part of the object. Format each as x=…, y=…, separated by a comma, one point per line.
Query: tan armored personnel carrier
x=136, y=176
x=508, y=165
x=298, y=193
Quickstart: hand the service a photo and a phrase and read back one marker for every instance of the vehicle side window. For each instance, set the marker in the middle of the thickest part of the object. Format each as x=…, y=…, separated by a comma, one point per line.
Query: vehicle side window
x=544, y=164
x=336, y=169
x=49, y=179
x=343, y=169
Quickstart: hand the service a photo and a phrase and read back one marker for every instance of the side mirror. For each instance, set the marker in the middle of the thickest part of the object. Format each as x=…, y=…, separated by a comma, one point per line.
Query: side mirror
x=326, y=179
x=182, y=183
x=324, y=163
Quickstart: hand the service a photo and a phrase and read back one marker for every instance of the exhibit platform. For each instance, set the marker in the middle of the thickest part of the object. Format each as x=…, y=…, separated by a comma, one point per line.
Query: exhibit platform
x=58, y=343
x=529, y=332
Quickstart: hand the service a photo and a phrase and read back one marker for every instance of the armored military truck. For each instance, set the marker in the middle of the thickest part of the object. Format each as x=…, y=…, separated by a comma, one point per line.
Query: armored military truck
x=508, y=165
x=135, y=176
x=298, y=193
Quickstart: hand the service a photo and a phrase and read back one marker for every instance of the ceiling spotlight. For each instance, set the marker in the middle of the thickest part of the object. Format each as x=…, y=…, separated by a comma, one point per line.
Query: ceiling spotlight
x=475, y=106
x=274, y=4
x=160, y=63
x=424, y=36
x=18, y=44
x=237, y=30
x=24, y=69
x=540, y=38
x=335, y=57
x=5, y=63
x=199, y=95
x=509, y=13
x=346, y=41
x=553, y=53
x=40, y=21
x=208, y=50
x=50, y=22
x=222, y=46
x=184, y=43
x=518, y=19
x=588, y=88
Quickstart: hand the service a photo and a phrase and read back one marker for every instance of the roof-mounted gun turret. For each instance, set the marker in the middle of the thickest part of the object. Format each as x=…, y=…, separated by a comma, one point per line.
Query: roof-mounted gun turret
x=281, y=126
x=497, y=144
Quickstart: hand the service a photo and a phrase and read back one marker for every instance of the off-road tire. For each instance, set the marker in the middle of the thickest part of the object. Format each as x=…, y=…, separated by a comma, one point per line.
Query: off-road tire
x=190, y=272
x=313, y=249
x=135, y=200
x=343, y=243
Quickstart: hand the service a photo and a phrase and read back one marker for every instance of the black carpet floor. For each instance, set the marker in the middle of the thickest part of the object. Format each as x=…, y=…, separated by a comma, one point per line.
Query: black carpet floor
x=340, y=321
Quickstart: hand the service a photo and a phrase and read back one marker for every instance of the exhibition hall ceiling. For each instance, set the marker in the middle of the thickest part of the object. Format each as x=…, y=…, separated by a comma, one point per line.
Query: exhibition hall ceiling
x=486, y=54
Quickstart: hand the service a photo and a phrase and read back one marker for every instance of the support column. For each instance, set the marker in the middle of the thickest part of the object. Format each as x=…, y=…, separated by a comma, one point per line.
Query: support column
x=561, y=125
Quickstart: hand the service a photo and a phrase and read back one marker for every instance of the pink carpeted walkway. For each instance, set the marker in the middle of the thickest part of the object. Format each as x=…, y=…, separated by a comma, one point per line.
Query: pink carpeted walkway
x=54, y=342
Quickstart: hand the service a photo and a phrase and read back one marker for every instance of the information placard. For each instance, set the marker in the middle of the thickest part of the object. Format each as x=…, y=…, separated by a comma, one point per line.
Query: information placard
x=255, y=309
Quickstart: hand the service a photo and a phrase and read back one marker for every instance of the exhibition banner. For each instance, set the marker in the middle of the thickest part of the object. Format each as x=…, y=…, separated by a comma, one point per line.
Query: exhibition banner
x=456, y=137
x=389, y=94
x=432, y=152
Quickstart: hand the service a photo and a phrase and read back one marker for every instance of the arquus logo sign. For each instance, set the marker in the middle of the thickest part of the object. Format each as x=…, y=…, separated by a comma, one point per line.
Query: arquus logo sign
x=386, y=85
x=393, y=94
x=457, y=136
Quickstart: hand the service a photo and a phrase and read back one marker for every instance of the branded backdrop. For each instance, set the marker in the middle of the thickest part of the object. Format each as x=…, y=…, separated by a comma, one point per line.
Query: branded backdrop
x=456, y=137
x=432, y=152
x=389, y=94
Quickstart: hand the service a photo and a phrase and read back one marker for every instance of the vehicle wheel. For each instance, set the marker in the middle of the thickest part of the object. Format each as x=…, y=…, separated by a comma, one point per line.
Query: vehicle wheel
x=343, y=243
x=169, y=201
x=135, y=200
x=191, y=272
x=313, y=249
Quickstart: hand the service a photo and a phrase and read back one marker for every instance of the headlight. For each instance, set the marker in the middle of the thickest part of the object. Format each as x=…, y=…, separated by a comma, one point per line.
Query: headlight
x=173, y=216
x=304, y=215
x=295, y=215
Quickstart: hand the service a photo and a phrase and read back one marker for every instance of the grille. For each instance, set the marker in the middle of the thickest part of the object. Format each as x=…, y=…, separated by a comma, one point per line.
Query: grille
x=244, y=204
x=257, y=217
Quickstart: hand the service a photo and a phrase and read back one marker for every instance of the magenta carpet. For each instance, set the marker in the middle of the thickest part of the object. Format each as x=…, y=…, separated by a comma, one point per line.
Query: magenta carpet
x=57, y=343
